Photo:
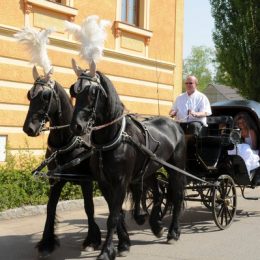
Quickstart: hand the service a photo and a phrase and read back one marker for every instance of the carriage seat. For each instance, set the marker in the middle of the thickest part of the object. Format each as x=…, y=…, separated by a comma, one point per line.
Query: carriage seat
x=213, y=138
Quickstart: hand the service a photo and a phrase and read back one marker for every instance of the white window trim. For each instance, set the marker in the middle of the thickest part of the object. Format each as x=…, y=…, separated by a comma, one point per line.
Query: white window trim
x=51, y=6
x=3, y=149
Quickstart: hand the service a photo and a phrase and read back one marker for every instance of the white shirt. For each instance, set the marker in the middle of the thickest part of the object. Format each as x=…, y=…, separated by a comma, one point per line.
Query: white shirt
x=196, y=102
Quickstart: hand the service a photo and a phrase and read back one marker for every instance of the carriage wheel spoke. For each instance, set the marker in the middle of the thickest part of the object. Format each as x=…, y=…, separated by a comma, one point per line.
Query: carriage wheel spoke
x=229, y=213
x=228, y=192
x=226, y=217
x=220, y=211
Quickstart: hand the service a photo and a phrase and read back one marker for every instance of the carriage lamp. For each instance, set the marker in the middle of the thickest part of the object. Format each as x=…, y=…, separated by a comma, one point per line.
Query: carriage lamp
x=235, y=136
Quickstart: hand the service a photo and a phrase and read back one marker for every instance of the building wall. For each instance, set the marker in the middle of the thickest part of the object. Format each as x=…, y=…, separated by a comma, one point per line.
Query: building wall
x=145, y=64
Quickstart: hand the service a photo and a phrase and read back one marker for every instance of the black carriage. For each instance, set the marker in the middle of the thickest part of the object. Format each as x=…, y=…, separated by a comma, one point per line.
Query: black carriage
x=215, y=173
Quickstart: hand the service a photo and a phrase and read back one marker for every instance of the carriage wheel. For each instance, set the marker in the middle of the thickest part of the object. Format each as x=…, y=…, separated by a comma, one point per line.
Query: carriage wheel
x=147, y=198
x=224, y=202
x=206, y=196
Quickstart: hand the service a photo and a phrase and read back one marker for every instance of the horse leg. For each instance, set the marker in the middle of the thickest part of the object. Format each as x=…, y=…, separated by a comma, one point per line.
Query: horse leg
x=155, y=216
x=137, y=194
x=115, y=201
x=93, y=239
x=176, y=186
x=49, y=240
x=123, y=237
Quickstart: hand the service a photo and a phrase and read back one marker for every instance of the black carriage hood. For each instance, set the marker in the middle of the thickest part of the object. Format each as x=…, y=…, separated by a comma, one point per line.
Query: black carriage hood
x=232, y=107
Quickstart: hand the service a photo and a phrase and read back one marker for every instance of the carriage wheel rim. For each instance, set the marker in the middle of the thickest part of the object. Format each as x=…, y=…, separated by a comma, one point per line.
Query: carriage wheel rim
x=224, y=202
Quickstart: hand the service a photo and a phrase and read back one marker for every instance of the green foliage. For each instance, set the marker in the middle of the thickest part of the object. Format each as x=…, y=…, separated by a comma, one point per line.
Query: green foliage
x=198, y=64
x=237, y=42
x=19, y=188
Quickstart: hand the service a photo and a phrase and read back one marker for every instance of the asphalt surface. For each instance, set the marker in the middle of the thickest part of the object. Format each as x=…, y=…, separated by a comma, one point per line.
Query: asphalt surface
x=200, y=238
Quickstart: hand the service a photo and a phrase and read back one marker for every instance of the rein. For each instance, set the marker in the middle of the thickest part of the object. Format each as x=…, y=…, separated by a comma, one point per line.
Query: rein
x=54, y=127
x=95, y=128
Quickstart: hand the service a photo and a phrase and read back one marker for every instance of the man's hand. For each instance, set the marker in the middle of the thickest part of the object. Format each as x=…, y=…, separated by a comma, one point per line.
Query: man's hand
x=172, y=113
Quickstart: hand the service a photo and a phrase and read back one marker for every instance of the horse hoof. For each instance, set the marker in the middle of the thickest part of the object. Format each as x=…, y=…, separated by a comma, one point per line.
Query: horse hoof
x=123, y=253
x=107, y=256
x=173, y=237
x=43, y=254
x=90, y=247
x=159, y=233
x=123, y=249
x=171, y=241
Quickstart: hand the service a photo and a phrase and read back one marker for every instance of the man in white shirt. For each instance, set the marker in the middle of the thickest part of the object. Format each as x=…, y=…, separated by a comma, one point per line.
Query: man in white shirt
x=191, y=106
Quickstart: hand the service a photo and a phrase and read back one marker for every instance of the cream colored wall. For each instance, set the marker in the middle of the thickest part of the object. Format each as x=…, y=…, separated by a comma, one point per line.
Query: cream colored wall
x=143, y=79
x=11, y=13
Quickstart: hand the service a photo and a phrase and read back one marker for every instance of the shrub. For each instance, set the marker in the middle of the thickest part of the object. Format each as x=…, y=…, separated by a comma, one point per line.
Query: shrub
x=19, y=188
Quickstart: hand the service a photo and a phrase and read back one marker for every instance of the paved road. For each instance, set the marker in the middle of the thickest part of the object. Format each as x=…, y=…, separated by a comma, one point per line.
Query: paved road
x=200, y=240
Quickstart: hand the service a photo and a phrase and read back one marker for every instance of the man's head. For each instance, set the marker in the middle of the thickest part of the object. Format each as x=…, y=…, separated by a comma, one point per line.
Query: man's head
x=191, y=83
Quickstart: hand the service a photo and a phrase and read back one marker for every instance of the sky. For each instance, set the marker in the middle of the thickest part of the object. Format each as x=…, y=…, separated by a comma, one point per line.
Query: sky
x=198, y=25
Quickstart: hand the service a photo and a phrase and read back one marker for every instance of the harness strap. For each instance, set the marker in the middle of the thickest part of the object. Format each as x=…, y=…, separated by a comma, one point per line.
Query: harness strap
x=154, y=157
x=114, y=142
x=75, y=141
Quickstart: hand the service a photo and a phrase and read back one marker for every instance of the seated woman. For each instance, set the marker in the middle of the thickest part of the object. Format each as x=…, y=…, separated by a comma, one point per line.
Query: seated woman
x=248, y=133
x=248, y=148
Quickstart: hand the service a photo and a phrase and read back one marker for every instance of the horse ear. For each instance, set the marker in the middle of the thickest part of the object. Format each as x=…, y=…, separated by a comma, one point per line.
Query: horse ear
x=92, y=69
x=48, y=75
x=36, y=75
x=76, y=68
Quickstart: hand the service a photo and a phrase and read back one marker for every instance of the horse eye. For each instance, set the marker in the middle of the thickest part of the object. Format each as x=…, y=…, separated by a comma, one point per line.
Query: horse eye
x=46, y=94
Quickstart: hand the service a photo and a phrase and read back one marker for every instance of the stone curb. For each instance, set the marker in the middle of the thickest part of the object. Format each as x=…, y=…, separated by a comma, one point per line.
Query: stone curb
x=41, y=209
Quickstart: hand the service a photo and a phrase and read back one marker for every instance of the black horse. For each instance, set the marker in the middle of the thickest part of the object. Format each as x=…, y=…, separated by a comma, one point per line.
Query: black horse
x=122, y=155
x=50, y=102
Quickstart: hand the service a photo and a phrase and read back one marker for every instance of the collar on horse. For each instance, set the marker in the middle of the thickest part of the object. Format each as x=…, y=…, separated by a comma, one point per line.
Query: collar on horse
x=116, y=141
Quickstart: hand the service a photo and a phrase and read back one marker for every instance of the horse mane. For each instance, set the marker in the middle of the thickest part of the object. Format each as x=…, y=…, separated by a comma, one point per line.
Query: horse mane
x=116, y=107
x=66, y=104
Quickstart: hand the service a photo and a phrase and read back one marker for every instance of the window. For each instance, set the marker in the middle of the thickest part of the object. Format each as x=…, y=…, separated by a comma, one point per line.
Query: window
x=130, y=12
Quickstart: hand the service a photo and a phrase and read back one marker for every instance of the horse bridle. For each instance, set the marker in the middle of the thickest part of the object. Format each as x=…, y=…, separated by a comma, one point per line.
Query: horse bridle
x=92, y=81
x=50, y=85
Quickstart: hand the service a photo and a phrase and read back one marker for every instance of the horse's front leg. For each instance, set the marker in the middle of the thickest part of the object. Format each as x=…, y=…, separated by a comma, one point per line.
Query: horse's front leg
x=49, y=240
x=177, y=183
x=115, y=198
x=123, y=237
x=93, y=239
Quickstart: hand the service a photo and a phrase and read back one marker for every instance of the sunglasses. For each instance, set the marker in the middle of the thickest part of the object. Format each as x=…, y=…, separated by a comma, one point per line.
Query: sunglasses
x=188, y=83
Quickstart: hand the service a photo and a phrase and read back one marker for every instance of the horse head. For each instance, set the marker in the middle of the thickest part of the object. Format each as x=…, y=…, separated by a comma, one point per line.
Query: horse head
x=44, y=103
x=91, y=99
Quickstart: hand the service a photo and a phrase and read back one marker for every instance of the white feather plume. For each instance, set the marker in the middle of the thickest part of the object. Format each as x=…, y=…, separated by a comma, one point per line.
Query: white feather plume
x=92, y=35
x=36, y=42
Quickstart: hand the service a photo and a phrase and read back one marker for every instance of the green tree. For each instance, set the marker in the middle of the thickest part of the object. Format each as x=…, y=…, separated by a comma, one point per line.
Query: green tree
x=237, y=42
x=198, y=64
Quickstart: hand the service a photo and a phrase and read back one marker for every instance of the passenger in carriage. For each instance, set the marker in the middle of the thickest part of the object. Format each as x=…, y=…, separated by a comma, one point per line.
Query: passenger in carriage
x=248, y=132
x=248, y=149
x=191, y=107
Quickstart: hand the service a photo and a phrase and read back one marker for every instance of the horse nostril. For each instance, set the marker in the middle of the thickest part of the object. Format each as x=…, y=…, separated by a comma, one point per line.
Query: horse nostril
x=78, y=128
x=29, y=131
